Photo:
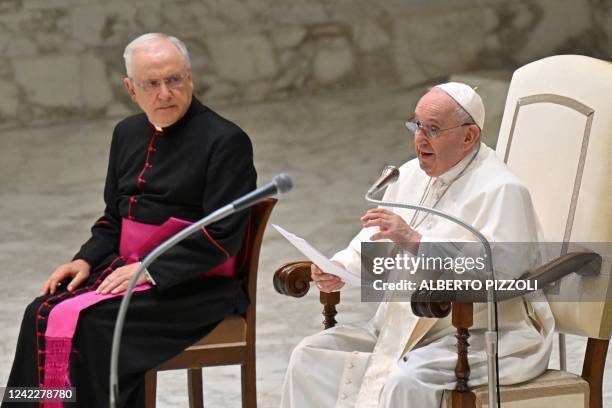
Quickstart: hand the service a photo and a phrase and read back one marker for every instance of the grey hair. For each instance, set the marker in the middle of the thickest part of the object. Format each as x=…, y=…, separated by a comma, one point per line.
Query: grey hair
x=463, y=116
x=144, y=42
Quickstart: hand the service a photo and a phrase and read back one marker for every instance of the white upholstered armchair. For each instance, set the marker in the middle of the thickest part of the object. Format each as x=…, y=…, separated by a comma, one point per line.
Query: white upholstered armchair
x=556, y=136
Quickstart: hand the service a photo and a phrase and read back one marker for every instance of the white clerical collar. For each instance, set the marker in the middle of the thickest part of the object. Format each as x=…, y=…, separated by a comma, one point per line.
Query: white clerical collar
x=452, y=173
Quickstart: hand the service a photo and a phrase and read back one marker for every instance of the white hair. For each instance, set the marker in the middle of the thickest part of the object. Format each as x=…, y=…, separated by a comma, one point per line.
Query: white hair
x=145, y=41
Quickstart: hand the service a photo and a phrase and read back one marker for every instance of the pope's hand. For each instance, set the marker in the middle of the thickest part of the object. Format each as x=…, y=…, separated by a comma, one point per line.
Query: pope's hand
x=391, y=226
x=119, y=279
x=326, y=282
x=78, y=270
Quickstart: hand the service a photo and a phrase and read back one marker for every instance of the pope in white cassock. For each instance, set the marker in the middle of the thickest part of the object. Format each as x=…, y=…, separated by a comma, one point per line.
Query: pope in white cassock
x=400, y=360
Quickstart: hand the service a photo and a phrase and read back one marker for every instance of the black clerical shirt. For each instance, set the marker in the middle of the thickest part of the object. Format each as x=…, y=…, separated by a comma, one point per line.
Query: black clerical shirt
x=186, y=171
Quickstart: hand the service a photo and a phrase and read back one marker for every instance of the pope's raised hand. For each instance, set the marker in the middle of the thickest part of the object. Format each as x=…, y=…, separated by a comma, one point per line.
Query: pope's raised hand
x=391, y=226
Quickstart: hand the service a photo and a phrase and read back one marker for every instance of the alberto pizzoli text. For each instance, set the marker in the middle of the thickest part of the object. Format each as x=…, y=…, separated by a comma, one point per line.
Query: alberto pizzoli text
x=456, y=284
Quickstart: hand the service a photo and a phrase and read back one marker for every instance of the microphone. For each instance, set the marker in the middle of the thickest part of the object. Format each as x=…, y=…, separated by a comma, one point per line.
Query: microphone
x=281, y=183
x=389, y=175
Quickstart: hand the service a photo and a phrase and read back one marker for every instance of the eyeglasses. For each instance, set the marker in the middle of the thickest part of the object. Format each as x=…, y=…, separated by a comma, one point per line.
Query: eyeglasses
x=428, y=131
x=154, y=85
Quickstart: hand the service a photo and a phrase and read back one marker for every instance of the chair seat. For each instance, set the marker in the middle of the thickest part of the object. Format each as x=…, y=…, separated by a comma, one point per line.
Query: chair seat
x=226, y=342
x=230, y=332
x=552, y=389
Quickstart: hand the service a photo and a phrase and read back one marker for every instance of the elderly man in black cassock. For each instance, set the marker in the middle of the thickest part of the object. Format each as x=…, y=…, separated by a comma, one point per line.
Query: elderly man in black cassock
x=168, y=167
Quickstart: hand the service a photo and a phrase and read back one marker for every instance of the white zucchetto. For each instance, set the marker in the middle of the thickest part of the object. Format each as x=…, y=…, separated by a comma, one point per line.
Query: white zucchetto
x=467, y=98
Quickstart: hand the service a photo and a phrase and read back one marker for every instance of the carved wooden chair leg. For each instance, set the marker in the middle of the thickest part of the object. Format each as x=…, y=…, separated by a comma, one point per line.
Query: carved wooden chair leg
x=329, y=302
x=194, y=385
x=150, y=388
x=463, y=319
x=593, y=369
x=249, y=389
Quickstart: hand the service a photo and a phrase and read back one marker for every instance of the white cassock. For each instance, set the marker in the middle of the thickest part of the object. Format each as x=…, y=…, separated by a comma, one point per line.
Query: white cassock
x=400, y=360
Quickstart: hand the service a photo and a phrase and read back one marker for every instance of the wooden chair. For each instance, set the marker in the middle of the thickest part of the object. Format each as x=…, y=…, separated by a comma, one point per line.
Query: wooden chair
x=233, y=340
x=556, y=135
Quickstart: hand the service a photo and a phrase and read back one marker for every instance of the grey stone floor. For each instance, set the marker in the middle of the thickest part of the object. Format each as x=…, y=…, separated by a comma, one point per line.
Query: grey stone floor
x=333, y=146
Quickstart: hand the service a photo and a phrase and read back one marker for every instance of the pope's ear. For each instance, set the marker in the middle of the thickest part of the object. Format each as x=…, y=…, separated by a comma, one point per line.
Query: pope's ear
x=471, y=136
x=129, y=86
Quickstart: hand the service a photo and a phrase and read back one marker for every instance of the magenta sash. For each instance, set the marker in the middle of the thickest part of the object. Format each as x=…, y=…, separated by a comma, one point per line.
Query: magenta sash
x=137, y=240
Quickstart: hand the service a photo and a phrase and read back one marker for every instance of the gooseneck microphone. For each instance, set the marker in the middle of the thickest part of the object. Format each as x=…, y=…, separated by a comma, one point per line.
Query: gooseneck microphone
x=280, y=184
x=387, y=177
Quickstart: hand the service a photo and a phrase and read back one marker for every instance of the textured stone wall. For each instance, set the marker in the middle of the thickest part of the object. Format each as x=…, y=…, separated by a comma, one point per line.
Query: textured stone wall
x=62, y=59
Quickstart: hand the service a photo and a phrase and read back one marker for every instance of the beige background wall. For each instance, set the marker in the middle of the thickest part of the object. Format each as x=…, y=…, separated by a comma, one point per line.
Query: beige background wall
x=62, y=59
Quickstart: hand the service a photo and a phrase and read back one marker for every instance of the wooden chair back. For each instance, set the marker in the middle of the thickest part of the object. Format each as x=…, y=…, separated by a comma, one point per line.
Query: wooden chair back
x=249, y=257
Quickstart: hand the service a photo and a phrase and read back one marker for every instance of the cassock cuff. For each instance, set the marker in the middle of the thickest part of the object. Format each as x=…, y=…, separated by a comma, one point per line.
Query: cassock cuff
x=148, y=277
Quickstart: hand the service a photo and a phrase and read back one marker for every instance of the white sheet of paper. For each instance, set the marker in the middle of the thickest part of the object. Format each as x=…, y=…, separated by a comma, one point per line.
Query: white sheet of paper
x=318, y=258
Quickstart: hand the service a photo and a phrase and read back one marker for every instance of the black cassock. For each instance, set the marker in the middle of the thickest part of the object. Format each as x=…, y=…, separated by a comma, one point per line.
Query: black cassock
x=186, y=171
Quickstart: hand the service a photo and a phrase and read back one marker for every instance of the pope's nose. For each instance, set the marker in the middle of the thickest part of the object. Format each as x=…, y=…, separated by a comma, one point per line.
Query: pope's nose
x=420, y=139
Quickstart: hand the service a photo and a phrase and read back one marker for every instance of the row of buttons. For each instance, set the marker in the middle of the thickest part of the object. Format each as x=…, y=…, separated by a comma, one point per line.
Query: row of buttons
x=348, y=381
x=141, y=180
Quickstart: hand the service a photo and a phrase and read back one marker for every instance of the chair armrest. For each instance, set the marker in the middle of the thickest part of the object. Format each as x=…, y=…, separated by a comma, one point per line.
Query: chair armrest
x=293, y=279
x=437, y=303
x=583, y=263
